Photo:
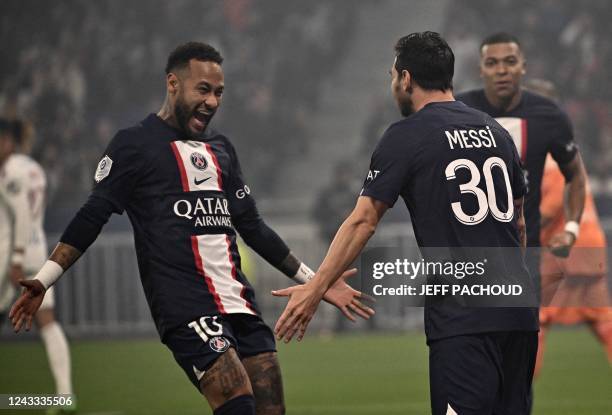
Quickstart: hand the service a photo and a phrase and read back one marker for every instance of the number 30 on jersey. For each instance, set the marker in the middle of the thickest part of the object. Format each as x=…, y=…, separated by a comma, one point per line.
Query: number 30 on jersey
x=487, y=202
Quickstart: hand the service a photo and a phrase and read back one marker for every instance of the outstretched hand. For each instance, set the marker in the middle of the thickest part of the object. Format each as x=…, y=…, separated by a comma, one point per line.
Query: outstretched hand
x=347, y=299
x=303, y=303
x=304, y=300
x=27, y=304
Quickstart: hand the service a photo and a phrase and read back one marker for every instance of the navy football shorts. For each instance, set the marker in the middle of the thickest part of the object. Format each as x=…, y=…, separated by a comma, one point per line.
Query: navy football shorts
x=198, y=344
x=482, y=374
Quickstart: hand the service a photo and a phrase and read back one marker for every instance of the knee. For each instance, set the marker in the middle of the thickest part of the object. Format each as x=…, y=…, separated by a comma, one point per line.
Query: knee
x=225, y=391
x=226, y=380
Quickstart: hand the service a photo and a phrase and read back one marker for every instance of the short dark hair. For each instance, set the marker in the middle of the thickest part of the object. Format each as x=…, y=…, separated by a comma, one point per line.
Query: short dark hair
x=180, y=57
x=428, y=58
x=499, y=37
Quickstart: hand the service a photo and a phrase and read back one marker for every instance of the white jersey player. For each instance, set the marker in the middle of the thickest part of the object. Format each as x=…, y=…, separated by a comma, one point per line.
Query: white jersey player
x=7, y=224
x=23, y=186
x=7, y=227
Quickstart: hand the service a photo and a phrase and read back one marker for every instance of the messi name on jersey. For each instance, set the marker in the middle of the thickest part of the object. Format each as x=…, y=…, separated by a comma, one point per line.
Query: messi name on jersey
x=471, y=138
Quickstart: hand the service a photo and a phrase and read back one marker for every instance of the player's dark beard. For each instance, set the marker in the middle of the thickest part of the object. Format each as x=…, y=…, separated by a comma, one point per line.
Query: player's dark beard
x=407, y=107
x=182, y=113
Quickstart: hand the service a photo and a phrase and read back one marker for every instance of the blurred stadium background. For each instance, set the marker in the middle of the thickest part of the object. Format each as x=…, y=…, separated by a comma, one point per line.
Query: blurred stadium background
x=306, y=99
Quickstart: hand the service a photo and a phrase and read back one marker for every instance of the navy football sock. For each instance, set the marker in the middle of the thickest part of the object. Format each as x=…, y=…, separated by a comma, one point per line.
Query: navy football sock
x=240, y=405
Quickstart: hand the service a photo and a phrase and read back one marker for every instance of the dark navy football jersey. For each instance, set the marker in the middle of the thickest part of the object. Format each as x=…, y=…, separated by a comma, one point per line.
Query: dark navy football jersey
x=538, y=127
x=458, y=172
x=180, y=195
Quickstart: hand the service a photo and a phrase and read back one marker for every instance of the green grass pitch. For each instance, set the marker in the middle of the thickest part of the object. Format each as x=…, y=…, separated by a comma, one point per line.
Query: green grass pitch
x=352, y=374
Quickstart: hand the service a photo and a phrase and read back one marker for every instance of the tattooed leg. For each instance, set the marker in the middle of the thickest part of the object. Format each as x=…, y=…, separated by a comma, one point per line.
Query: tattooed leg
x=264, y=372
x=226, y=379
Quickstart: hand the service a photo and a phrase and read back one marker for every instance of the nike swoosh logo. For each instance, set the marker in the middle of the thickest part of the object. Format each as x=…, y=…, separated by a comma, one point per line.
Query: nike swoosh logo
x=199, y=182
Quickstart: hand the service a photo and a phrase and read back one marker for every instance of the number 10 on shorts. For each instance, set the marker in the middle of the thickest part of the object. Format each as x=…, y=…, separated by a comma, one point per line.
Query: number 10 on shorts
x=203, y=328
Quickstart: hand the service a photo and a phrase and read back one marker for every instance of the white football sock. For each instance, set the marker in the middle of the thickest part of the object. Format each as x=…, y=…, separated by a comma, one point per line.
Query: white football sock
x=59, y=356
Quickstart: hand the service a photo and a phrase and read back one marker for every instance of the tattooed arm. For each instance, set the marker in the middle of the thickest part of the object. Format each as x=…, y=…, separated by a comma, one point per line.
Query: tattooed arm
x=65, y=255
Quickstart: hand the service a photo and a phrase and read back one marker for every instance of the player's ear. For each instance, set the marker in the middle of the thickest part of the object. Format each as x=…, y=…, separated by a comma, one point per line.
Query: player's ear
x=172, y=83
x=406, y=81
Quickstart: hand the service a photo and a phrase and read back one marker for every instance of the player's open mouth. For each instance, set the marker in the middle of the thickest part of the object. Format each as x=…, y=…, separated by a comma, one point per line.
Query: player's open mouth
x=201, y=119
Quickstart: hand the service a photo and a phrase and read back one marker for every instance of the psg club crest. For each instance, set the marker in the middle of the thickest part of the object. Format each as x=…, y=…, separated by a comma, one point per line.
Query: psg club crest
x=198, y=161
x=219, y=344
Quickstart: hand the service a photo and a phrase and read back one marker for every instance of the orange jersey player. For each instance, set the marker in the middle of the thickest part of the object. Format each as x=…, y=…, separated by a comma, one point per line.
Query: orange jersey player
x=573, y=289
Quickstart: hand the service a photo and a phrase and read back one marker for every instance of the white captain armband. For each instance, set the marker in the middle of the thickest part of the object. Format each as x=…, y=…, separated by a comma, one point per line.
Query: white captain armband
x=49, y=273
x=303, y=274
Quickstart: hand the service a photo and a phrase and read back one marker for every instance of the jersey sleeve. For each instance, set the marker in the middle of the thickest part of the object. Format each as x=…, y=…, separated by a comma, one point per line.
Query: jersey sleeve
x=389, y=167
x=563, y=147
x=238, y=192
x=118, y=171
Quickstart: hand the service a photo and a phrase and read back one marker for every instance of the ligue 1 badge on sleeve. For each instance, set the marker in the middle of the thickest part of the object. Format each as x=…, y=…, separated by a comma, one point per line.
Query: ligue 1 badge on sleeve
x=103, y=170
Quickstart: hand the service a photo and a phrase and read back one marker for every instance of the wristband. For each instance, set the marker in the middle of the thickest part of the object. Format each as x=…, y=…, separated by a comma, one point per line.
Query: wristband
x=17, y=258
x=49, y=273
x=303, y=274
x=572, y=227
